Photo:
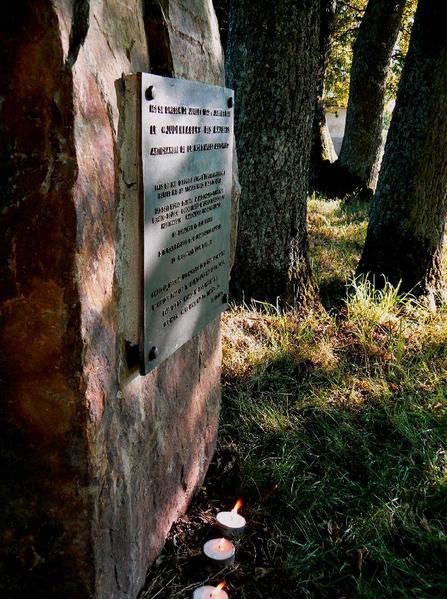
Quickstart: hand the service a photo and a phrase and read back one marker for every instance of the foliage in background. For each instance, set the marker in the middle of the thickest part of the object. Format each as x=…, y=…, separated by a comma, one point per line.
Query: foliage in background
x=347, y=21
x=348, y=16
x=401, y=49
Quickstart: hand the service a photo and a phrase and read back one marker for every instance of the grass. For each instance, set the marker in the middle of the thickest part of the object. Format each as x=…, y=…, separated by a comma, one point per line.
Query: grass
x=337, y=232
x=340, y=419
x=334, y=431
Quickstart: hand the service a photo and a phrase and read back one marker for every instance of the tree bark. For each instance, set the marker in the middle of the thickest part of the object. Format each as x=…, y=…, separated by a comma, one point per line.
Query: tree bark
x=362, y=141
x=222, y=8
x=408, y=215
x=272, y=63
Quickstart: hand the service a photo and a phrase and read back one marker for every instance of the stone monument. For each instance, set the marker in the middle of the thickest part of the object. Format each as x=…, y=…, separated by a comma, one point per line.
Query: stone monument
x=87, y=441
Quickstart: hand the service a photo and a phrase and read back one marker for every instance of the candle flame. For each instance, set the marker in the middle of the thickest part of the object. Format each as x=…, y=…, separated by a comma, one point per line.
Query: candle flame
x=237, y=506
x=221, y=544
x=219, y=587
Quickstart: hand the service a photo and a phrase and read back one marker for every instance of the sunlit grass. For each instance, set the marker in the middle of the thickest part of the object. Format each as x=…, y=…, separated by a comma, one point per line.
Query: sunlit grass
x=337, y=232
x=344, y=414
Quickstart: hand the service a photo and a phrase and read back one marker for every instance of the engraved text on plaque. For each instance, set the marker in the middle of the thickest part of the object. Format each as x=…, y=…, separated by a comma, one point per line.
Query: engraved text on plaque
x=186, y=138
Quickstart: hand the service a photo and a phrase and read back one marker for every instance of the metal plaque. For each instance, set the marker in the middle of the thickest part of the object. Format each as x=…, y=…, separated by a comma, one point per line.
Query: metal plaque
x=186, y=138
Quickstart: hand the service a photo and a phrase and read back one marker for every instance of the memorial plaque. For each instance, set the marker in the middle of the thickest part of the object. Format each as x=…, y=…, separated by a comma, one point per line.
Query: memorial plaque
x=186, y=150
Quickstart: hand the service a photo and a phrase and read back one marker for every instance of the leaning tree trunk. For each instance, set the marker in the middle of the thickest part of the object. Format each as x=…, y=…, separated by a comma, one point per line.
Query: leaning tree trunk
x=272, y=63
x=322, y=152
x=406, y=228
x=360, y=152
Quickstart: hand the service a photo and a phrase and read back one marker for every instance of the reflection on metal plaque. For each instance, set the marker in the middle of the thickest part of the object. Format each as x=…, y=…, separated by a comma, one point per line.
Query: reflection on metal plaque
x=186, y=137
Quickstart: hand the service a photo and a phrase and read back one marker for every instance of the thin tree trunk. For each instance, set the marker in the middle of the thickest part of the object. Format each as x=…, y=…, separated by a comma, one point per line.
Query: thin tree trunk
x=323, y=151
x=272, y=63
x=360, y=151
x=406, y=228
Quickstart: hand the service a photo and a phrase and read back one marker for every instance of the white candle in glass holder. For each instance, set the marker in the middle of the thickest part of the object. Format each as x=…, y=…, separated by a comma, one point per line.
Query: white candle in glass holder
x=220, y=551
x=231, y=523
x=209, y=592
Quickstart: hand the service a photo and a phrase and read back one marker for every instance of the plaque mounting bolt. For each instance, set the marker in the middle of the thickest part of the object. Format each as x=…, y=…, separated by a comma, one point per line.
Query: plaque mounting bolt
x=230, y=102
x=153, y=353
x=150, y=92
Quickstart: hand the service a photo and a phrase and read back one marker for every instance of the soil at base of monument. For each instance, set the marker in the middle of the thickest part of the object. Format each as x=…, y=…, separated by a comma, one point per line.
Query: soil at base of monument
x=258, y=569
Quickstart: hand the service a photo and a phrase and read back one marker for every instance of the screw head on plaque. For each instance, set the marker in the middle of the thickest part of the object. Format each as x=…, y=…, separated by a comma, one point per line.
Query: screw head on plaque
x=153, y=353
x=150, y=93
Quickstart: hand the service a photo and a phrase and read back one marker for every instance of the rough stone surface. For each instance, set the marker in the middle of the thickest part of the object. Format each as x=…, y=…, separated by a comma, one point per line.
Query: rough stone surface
x=98, y=460
x=43, y=445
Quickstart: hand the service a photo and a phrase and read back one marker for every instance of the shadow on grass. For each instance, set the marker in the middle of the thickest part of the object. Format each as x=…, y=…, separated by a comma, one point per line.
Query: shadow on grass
x=360, y=480
x=344, y=488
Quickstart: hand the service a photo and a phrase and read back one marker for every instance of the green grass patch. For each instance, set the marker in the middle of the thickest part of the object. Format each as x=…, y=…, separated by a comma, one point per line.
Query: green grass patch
x=340, y=425
x=337, y=231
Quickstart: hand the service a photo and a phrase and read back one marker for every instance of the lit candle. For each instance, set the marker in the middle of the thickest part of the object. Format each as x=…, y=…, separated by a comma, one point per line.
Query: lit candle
x=209, y=592
x=220, y=551
x=231, y=523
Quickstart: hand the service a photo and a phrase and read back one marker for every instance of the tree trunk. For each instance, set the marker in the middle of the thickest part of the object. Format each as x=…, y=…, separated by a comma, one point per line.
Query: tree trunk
x=362, y=141
x=408, y=215
x=221, y=8
x=323, y=151
x=272, y=64
x=322, y=146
